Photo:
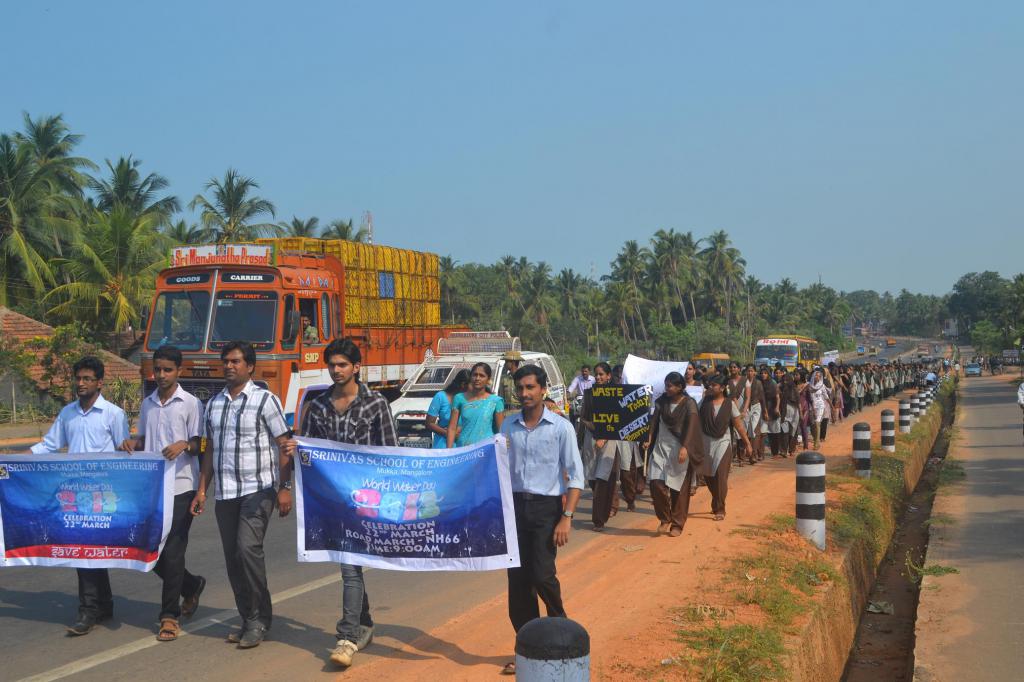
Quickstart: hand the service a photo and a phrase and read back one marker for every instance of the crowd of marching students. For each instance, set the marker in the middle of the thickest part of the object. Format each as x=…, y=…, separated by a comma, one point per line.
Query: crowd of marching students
x=741, y=415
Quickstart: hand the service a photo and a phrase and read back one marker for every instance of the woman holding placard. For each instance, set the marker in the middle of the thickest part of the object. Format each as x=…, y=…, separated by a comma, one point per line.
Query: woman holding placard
x=676, y=448
x=600, y=456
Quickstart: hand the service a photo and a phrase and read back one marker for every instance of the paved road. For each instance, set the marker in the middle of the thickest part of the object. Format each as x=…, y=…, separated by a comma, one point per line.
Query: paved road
x=36, y=603
x=971, y=625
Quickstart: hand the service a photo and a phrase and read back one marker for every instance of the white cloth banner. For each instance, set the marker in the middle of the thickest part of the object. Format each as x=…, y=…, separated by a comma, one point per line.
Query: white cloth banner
x=638, y=370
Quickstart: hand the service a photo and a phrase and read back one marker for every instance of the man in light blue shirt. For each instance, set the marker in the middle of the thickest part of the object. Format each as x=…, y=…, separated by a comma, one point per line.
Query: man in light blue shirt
x=544, y=463
x=90, y=424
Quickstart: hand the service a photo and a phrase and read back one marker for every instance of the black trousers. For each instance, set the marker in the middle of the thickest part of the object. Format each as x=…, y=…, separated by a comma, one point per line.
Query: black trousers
x=171, y=565
x=243, y=524
x=536, y=518
x=94, y=596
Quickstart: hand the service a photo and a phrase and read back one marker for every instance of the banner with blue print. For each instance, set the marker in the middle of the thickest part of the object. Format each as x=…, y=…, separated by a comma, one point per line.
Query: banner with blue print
x=85, y=510
x=405, y=509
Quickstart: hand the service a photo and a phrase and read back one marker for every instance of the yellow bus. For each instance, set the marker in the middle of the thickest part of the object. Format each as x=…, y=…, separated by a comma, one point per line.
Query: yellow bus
x=790, y=351
x=711, y=360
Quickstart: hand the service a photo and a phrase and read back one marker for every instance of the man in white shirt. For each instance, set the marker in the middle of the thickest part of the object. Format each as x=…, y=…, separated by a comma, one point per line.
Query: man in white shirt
x=1020, y=396
x=90, y=424
x=171, y=422
x=581, y=382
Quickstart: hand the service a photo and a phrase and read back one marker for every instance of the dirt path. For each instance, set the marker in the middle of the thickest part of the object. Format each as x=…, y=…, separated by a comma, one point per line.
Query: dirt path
x=626, y=589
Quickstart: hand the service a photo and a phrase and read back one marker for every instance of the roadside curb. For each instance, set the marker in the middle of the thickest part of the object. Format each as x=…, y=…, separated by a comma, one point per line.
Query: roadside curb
x=823, y=644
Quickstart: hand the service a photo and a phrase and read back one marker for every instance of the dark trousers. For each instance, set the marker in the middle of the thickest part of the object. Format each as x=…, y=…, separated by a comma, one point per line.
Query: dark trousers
x=355, y=604
x=171, y=565
x=604, y=497
x=718, y=485
x=243, y=524
x=536, y=518
x=672, y=506
x=94, y=596
x=628, y=483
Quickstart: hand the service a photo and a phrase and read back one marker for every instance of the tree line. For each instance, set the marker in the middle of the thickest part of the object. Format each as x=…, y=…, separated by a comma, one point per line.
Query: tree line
x=82, y=242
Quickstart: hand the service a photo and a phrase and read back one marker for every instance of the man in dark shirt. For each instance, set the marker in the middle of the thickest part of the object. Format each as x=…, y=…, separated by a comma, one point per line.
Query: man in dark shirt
x=348, y=413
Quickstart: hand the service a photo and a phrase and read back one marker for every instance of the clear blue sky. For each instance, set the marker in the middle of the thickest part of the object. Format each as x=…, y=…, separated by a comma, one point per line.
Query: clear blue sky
x=878, y=144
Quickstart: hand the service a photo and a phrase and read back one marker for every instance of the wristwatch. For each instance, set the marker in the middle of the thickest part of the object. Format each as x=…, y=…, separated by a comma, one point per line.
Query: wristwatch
x=567, y=514
x=287, y=485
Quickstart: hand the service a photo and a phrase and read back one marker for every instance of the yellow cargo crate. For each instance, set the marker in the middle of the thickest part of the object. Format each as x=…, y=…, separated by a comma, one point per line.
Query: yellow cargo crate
x=355, y=311
x=433, y=289
x=432, y=265
x=433, y=314
x=384, y=310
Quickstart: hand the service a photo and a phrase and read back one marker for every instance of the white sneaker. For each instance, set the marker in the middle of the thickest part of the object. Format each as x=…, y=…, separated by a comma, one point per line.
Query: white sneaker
x=343, y=653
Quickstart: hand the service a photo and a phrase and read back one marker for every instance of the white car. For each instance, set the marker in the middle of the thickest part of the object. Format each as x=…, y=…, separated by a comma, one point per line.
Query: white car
x=462, y=350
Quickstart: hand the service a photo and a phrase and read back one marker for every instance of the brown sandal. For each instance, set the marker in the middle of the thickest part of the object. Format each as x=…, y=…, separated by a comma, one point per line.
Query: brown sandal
x=509, y=669
x=169, y=630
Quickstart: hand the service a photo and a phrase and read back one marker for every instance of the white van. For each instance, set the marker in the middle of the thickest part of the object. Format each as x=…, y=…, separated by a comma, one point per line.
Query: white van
x=462, y=350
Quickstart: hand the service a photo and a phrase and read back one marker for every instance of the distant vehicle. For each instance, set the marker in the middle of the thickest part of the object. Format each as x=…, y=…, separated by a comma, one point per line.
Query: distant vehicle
x=462, y=350
x=790, y=351
x=710, y=359
x=973, y=369
x=923, y=349
x=873, y=350
x=890, y=342
x=860, y=350
x=881, y=361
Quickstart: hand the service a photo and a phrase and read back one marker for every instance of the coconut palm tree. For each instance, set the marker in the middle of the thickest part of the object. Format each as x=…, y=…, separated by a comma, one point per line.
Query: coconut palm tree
x=181, y=232
x=51, y=145
x=229, y=215
x=113, y=267
x=344, y=229
x=569, y=286
x=629, y=267
x=28, y=203
x=127, y=187
x=298, y=227
x=724, y=267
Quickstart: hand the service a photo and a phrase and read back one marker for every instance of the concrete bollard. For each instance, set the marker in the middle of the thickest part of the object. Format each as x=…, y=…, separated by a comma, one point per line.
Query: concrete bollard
x=922, y=399
x=888, y=431
x=550, y=649
x=862, y=449
x=915, y=409
x=904, y=416
x=810, y=497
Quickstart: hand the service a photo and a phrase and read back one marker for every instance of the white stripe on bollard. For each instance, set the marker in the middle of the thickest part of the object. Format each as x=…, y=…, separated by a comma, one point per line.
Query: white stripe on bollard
x=888, y=431
x=810, y=497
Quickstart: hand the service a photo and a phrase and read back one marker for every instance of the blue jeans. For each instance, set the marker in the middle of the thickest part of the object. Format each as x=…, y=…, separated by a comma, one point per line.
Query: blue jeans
x=355, y=604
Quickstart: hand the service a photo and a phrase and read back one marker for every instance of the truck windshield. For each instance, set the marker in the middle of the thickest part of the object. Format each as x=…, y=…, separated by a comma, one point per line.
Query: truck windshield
x=179, y=319
x=775, y=354
x=244, y=315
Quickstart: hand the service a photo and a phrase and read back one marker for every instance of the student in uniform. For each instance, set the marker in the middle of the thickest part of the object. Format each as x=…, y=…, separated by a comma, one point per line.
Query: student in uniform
x=717, y=414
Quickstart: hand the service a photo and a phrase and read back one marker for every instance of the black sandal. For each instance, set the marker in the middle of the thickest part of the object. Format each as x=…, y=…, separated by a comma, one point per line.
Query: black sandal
x=509, y=669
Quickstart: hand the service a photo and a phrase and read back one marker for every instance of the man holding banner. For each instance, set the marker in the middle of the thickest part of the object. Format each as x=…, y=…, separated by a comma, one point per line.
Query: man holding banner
x=245, y=428
x=90, y=424
x=348, y=413
x=544, y=464
x=171, y=422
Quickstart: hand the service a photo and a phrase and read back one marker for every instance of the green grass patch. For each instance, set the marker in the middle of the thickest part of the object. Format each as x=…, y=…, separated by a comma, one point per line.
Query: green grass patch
x=736, y=653
x=916, y=572
x=859, y=516
x=952, y=471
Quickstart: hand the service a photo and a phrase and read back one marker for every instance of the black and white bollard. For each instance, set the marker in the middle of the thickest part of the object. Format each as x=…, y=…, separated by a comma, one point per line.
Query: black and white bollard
x=810, y=497
x=922, y=399
x=550, y=649
x=904, y=416
x=862, y=449
x=915, y=409
x=888, y=431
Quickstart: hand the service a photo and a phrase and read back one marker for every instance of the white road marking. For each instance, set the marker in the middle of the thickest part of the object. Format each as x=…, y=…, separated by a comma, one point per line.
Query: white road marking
x=146, y=642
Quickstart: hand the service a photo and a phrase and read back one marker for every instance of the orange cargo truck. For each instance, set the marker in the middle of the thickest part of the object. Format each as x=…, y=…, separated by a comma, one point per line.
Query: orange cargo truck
x=289, y=298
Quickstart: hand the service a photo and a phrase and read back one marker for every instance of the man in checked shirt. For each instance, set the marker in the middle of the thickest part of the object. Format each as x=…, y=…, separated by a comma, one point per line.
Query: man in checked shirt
x=348, y=413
